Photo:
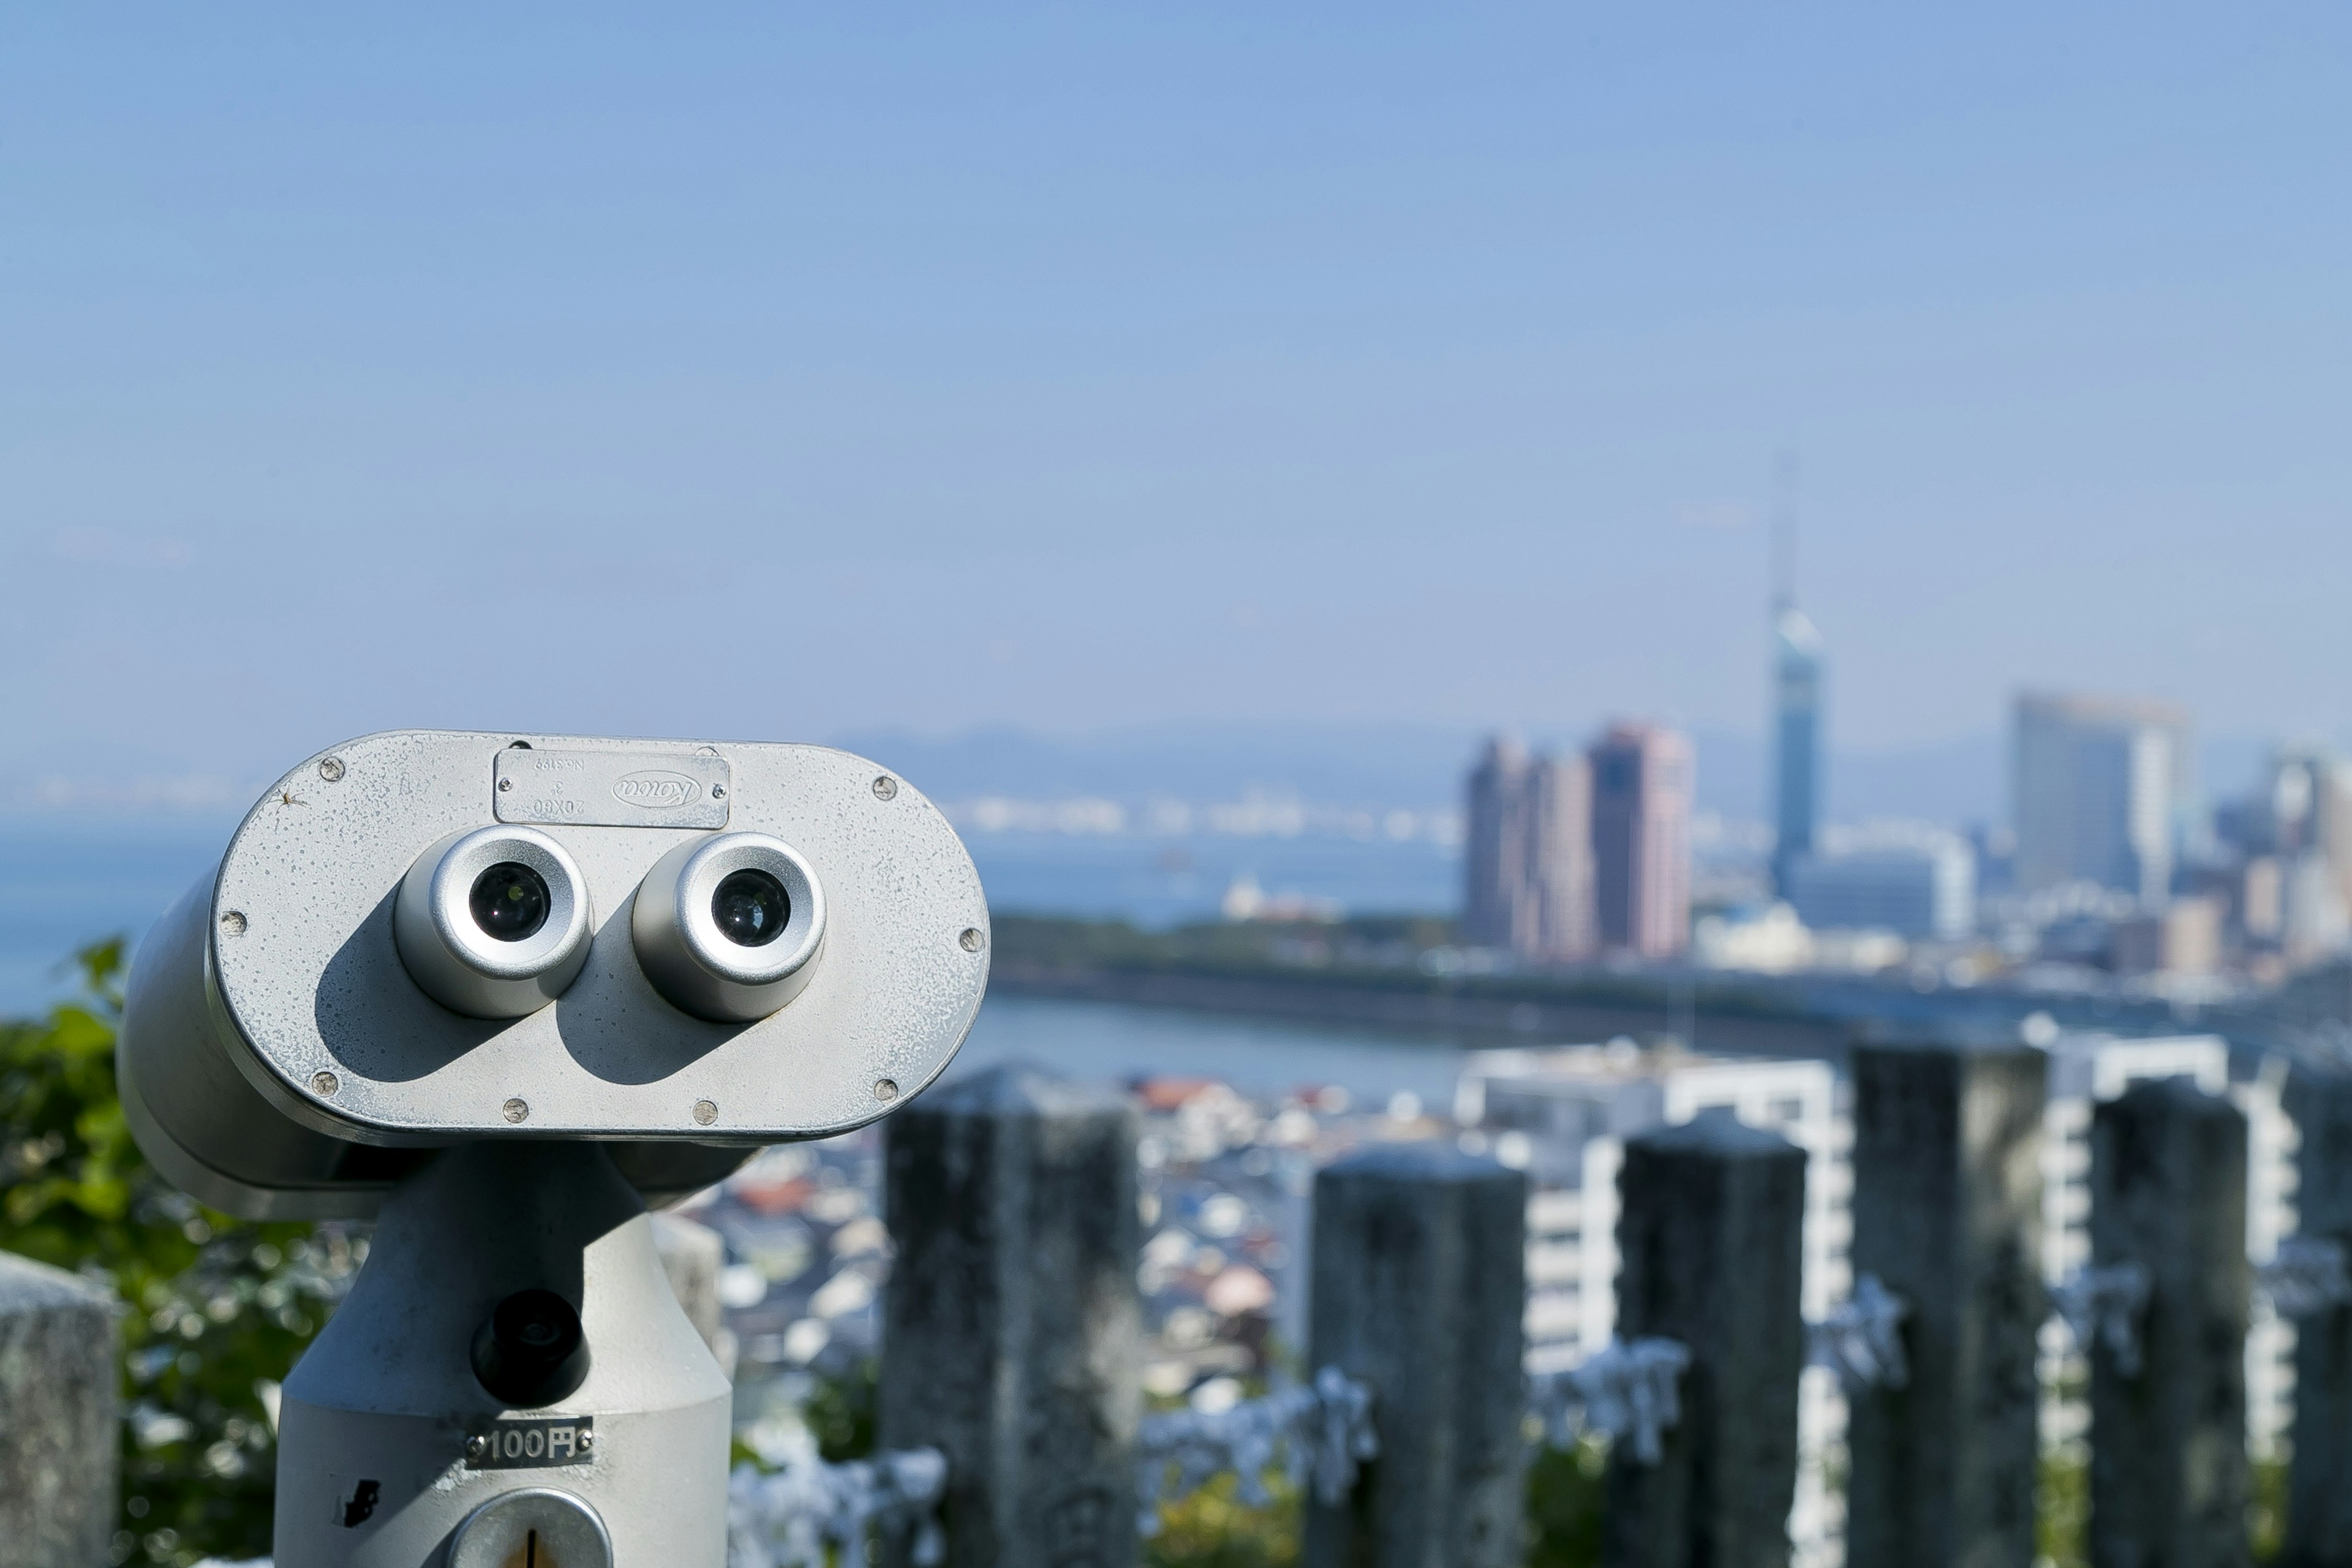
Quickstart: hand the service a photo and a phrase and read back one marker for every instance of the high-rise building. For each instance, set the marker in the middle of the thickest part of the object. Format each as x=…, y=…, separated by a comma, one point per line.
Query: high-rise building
x=1528, y=864
x=1559, y=799
x=1642, y=779
x=1495, y=848
x=1796, y=739
x=2096, y=785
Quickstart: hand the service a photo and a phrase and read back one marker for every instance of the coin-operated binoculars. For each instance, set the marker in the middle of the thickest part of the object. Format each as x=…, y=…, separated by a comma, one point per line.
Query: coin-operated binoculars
x=500, y=992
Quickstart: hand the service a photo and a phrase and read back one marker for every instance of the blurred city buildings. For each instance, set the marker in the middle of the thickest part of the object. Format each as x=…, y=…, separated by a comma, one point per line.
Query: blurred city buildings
x=1918, y=882
x=1565, y=858
x=1796, y=740
x=1642, y=783
x=2098, y=788
x=1529, y=867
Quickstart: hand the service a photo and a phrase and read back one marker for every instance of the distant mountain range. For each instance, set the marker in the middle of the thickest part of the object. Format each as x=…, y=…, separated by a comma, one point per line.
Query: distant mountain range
x=1345, y=765
x=1421, y=765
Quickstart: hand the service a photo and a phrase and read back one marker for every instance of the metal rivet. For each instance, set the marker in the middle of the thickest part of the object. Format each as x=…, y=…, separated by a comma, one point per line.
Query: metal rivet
x=885, y=787
x=233, y=923
x=886, y=1088
x=324, y=1083
x=718, y=791
x=515, y=1110
x=970, y=940
x=505, y=785
x=706, y=1112
x=476, y=1447
x=332, y=770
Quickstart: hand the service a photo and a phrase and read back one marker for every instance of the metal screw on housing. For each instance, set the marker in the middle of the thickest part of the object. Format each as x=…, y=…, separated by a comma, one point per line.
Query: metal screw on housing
x=886, y=787
x=332, y=770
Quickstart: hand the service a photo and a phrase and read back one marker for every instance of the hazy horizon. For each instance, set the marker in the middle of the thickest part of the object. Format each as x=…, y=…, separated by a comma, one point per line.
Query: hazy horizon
x=774, y=372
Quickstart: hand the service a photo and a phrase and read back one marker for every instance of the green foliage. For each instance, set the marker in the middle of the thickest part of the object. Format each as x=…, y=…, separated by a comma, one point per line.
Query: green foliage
x=839, y=1412
x=2266, y=1518
x=2062, y=1515
x=1213, y=1528
x=1566, y=1491
x=215, y=1309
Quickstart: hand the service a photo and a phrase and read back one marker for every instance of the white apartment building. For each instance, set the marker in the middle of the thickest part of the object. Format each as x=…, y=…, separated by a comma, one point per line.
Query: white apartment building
x=1924, y=889
x=1564, y=1113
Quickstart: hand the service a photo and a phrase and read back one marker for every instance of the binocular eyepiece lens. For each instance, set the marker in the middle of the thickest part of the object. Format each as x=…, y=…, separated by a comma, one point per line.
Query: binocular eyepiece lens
x=727, y=927
x=511, y=901
x=750, y=907
x=493, y=922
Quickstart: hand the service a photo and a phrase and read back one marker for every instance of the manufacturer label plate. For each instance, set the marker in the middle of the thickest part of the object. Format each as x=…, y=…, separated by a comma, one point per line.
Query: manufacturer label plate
x=614, y=789
x=533, y=1444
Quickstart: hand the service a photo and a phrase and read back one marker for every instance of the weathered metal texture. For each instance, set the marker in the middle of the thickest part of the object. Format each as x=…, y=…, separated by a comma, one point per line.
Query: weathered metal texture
x=2319, y=1508
x=1013, y=1338
x=384, y=1426
x=1419, y=1289
x=278, y=992
x=1947, y=1215
x=58, y=1418
x=1710, y=1236
x=2168, y=1468
x=692, y=1255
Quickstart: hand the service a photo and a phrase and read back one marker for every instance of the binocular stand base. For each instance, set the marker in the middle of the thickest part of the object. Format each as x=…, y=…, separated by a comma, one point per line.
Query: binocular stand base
x=529, y=1267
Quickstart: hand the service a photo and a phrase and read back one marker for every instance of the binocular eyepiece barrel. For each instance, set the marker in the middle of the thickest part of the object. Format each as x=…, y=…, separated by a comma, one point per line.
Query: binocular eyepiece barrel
x=495, y=922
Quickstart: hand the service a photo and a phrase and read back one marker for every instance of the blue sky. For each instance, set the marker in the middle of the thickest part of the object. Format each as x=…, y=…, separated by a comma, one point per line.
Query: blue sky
x=778, y=371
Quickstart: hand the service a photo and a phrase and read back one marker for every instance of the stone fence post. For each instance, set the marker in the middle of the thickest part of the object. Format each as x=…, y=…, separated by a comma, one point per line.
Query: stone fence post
x=1947, y=1216
x=1710, y=1236
x=2169, y=1470
x=1419, y=1292
x=1011, y=1325
x=2319, y=1505
x=58, y=1418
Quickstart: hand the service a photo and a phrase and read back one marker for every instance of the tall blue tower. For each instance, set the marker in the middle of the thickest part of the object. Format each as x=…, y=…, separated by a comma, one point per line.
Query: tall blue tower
x=1796, y=713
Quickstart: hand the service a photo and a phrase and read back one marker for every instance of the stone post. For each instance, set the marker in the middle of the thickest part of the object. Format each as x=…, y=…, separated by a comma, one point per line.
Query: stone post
x=58, y=1415
x=1947, y=1215
x=2168, y=1472
x=2319, y=1505
x=1710, y=1236
x=1012, y=1337
x=1420, y=1290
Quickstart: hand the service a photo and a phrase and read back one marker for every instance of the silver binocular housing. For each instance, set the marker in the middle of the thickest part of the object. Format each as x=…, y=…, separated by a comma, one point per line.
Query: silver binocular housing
x=420, y=938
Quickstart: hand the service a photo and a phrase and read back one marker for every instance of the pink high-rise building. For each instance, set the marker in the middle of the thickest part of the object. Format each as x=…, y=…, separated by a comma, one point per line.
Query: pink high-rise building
x=1642, y=779
x=1529, y=855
